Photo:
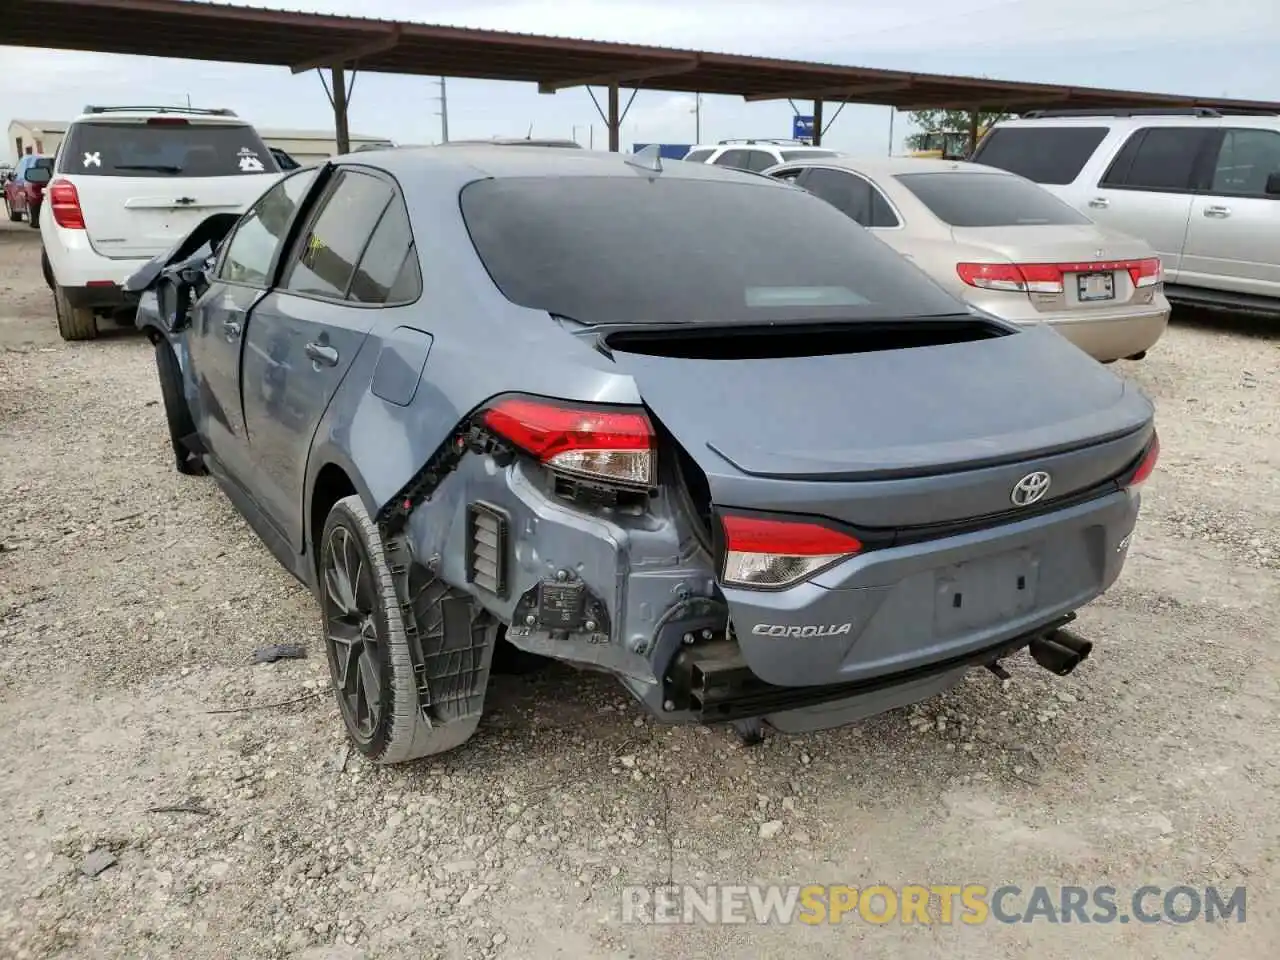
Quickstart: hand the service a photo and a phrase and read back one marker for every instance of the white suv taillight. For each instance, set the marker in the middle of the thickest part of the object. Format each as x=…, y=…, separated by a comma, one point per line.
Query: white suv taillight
x=610, y=444
x=765, y=553
x=64, y=203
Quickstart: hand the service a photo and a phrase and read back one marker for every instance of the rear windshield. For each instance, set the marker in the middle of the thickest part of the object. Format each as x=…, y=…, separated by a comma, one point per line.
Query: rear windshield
x=989, y=200
x=172, y=148
x=788, y=155
x=1044, y=154
x=653, y=250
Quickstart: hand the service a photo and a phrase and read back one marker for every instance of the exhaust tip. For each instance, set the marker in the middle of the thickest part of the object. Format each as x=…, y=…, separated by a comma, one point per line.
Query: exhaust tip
x=1060, y=652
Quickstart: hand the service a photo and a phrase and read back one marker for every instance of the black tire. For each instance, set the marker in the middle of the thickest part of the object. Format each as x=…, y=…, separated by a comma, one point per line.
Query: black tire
x=176, y=412
x=365, y=633
x=46, y=270
x=33, y=217
x=13, y=217
x=74, y=323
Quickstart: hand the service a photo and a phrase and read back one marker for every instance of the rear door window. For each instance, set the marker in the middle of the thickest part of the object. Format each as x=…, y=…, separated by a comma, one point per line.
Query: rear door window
x=849, y=194
x=1159, y=158
x=252, y=247
x=698, y=156
x=1054, y=155
x=388, y=270
x=733, y=158
x=325, y=259
x=989, y=200
x=164, y=147
x=1246, y=159
x=758, y=160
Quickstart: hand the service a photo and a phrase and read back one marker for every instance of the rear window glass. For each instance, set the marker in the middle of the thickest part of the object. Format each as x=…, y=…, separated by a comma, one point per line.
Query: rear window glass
x=1044, y=154
x=989, y=200
x=655, y=250
x=172, y=148
x=789, y=155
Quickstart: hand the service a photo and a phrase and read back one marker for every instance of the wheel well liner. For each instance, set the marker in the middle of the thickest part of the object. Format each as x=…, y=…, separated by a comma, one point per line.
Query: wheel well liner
x=332, y=484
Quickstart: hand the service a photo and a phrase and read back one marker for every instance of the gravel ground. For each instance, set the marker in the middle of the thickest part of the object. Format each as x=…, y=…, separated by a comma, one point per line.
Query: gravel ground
x=131, y=599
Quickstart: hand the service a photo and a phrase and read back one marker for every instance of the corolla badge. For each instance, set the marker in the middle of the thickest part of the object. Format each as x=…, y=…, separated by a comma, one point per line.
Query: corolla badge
x=812, y=630
x=1030, y=488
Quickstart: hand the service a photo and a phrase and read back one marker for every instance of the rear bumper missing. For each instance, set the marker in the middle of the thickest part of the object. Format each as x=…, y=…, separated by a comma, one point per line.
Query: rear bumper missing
x=714, y=683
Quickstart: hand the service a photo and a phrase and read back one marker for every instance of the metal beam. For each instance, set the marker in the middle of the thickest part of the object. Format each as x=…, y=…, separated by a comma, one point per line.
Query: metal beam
x=352, y=54
x=817, y=122
x=998, y=103
x=341, y=135
x=622, y=77
x=833, y=93
x=614, y=121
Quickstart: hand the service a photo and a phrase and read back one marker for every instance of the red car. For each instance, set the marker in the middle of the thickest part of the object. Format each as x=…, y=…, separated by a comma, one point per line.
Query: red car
x=23, y=193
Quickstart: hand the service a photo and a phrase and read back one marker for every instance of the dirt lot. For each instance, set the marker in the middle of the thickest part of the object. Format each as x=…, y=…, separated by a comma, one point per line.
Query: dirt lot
x=131, y=599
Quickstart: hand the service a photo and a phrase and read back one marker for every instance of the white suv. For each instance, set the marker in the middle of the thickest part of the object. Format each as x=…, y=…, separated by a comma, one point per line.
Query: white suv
x=1202, y=187
x=130, y=182
x=755, y=155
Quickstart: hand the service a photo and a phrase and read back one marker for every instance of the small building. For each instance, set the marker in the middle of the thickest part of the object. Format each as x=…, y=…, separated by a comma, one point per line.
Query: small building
x=305, y=146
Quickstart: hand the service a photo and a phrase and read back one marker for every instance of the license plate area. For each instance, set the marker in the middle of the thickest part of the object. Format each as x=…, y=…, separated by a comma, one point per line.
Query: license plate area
x=1091, y=287
x=980, y=593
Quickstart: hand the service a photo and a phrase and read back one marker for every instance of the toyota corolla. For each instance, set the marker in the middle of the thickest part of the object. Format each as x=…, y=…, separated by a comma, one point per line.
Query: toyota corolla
x=761, y=469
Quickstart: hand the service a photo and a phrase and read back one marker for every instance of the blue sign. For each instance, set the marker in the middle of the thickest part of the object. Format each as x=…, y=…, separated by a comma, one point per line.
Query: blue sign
x=801, y=128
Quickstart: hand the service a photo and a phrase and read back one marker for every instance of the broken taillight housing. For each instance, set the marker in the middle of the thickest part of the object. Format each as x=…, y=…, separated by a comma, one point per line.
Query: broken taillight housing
x=614, y=445
x=770, y=553
x=1146, y=467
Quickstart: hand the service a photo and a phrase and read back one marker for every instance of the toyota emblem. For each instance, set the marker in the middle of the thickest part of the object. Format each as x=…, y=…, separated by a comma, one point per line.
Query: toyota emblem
x=1030, y=488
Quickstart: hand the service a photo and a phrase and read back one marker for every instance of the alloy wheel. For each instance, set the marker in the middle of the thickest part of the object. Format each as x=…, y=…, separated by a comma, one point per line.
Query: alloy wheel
x=356, y=651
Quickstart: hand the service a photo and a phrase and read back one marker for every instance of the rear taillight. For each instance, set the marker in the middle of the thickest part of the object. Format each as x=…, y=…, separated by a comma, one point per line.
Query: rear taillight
x=1146, y=273
x=608, y=444
x=64, y=202
x=777, y=553
x=1016, y=278
x=1147, y=466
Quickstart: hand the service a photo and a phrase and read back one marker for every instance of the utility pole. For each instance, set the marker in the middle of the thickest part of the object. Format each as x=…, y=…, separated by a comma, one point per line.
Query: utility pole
x=697, y=118
x=443, y=112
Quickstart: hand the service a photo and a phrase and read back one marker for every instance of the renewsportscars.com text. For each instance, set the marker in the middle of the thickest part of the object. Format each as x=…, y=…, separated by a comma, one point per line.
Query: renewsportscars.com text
x=918, y=904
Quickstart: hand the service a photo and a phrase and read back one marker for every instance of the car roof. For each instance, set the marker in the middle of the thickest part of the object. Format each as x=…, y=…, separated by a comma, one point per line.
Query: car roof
x=893, y=166
x=110, y=114
x=481, y=160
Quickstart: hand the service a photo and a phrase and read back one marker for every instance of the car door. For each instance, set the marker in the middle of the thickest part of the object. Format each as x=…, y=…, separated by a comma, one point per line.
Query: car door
x=1233, y=238
x=306, y=332
x=241, y=275
x=1148, y=189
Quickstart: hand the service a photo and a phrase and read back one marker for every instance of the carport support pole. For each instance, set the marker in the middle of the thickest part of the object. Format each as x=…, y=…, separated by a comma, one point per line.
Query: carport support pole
x=341, y=133
x=817, y=123
x=614, y=121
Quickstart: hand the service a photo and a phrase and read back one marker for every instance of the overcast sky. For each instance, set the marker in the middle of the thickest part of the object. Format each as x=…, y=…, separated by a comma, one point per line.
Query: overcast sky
x=1206, y=47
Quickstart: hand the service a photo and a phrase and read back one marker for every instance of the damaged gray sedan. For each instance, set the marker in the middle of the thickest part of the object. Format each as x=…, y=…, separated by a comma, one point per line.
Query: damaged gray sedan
x=688, y=426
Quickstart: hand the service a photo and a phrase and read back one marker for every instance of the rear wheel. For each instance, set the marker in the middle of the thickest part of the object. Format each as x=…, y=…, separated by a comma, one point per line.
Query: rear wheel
x=176, y=411
x=74, y=323
x=13, y=217
x=371, y=654
x=45, y=269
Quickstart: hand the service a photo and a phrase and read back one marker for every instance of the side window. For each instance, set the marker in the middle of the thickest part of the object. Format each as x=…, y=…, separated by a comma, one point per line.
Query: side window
x=252, y=246
x=882, y=214
x=1157, y=158
x=1246, y=159
x=849, y=194
x=698, y=156
x=758, y=160
x=732, y=158
x=389, y=264
x=789, y=174
x=325, y=258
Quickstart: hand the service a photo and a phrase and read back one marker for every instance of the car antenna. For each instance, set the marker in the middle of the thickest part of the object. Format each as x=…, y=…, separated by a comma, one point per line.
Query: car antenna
x=650, y=158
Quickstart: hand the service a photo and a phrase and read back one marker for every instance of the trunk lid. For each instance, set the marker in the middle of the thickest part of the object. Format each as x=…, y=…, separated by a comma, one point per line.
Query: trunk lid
x=882, y=414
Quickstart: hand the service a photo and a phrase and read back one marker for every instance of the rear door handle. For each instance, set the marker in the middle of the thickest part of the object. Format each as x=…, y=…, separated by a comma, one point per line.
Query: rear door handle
x=322, y=353
x=1220, y=213
x=1099, y=203
x=231, y=329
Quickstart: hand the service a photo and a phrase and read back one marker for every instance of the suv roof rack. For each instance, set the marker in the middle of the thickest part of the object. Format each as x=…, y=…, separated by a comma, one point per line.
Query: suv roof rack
x=1125, y=112
x=773, y=140
x=204, y=111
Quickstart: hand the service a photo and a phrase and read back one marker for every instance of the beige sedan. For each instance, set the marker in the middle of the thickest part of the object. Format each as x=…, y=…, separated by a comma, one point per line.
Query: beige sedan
x=1004, y=244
